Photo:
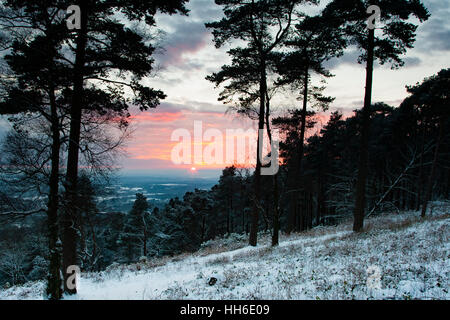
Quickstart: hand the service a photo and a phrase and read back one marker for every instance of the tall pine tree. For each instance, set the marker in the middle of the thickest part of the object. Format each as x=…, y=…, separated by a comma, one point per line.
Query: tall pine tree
x=394, y=35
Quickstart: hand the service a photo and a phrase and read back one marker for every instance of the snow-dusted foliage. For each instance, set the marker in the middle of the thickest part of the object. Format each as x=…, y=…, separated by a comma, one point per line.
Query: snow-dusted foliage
x=397, y=257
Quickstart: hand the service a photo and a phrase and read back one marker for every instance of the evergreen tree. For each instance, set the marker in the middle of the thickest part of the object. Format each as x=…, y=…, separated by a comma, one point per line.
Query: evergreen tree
x=38, y=77
x=89, y=252
x=262, y=25
x=431, y=97
x=398, y=34
x=135, y=231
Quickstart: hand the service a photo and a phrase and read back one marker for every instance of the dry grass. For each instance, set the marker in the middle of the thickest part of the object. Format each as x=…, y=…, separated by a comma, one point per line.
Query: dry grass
x=203, y=252
x=337, y=244
x=220, y=260
x=234, y=277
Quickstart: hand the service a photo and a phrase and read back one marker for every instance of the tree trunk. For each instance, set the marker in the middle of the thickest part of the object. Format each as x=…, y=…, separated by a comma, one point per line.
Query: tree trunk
x=303, y=127
x=253, y=239
x=145, y=242
x=433, y=168
x=242, y=207
x=70, y=233
x=310, y=213
x=276, y=209
x=94, y=244
x=228, y=222
x=231, y=210
x=203, y=229
x=54, y=285
x=83, y=248
x=320, y=205
x=420, y=178
x=297, y=175
x=358, y=222
x=276, y=212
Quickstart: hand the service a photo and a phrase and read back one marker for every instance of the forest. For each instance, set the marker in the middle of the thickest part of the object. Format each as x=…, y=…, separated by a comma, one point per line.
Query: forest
x=69, y=95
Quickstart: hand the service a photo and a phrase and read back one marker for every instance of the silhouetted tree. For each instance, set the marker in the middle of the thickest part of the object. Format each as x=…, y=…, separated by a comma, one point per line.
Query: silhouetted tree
x=262, y=25
x=105, y=46
x=398, y=34
x=431, y=97
x=135, y=232
x=315, y=41
x=38, y=75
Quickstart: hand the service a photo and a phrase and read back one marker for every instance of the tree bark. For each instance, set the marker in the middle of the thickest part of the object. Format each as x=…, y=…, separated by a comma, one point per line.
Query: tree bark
x=276, y=209
x=433, y=168
x=420, y=178
x=296, y=182
x=54, y=285
x=276, y=213
x=358, y=222
x=303, y=126
x=253, y=239
x=145, y=240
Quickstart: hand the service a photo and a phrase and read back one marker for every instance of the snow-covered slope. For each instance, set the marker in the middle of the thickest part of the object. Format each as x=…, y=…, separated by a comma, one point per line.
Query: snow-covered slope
x=398, y=257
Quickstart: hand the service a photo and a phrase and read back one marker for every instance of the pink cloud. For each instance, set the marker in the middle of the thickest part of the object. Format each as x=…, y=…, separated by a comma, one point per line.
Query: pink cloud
x=157, y=117
x=152, y=139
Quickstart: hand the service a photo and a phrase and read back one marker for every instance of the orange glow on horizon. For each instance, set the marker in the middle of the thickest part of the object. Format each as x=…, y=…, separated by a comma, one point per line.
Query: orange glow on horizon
x=152, y=141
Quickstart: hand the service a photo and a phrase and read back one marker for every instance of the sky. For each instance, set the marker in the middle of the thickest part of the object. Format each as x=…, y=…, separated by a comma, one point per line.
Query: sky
x=189, y=55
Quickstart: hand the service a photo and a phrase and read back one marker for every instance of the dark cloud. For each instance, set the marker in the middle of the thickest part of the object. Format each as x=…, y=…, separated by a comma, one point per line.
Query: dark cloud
x=187, y=37
x=412, y=62
x=436, y=5
x=349, y=58
x=187, y=34
x=434, y=34
x=205, y=9
x=435, y=37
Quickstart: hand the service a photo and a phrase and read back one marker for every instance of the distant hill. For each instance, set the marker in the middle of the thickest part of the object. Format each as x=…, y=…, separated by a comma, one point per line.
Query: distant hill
x=119, y=196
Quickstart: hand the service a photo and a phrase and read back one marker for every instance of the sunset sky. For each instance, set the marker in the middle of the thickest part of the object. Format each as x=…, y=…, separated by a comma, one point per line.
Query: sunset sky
x=189, y=56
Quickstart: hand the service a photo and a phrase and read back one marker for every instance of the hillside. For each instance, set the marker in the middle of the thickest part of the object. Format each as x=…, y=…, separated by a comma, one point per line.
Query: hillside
x=410, y=254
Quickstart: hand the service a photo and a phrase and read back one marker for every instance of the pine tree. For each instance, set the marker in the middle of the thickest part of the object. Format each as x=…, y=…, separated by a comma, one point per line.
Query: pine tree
x=262, y=25
x=39, y=76
x=398, y=35
x=86, y=224
x=431, y=98
x=135, y=231
x=104, y=46
x=315, y=41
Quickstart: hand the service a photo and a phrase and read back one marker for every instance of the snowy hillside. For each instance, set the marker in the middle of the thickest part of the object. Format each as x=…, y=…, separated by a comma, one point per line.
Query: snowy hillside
x=398, y=257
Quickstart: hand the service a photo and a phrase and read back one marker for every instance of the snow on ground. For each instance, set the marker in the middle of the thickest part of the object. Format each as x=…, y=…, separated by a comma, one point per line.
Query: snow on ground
x=397, y=257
